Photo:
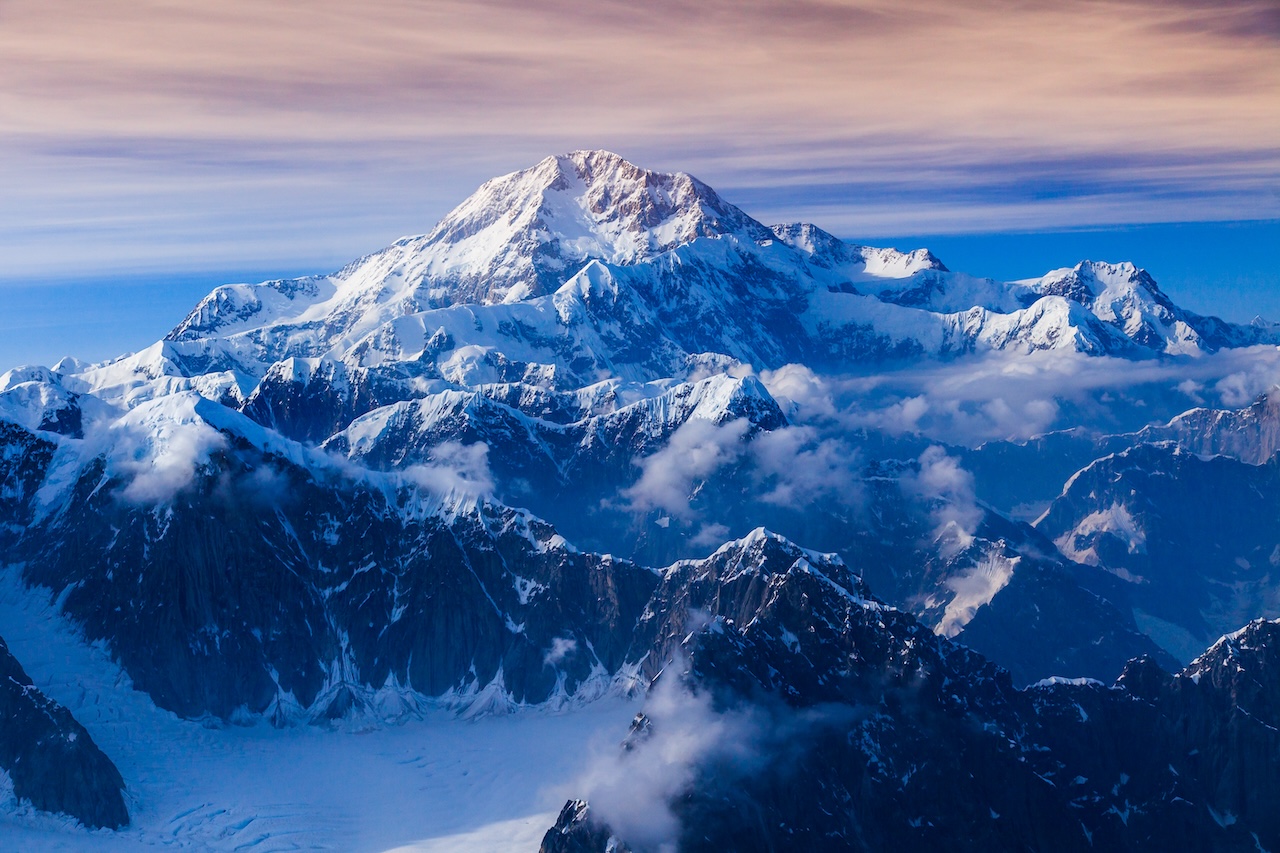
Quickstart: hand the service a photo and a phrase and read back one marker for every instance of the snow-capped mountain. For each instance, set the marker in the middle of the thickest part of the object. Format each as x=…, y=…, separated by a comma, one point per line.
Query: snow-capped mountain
x=585, y=267
x=483, y=469
x=544, y=346
x=1250, y=434
x=594, y=270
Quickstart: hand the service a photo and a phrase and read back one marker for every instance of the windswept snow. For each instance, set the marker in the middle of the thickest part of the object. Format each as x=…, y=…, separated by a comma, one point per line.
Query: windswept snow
x=973, y=589
x=1115, y=521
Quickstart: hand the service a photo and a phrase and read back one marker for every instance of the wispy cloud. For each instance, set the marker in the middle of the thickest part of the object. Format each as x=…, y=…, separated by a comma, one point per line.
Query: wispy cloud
x=695, y=451
x=455, y=469
x=337, y=125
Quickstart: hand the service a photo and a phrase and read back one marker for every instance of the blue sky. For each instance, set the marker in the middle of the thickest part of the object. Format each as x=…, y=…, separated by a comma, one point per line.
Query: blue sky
x=151, y=150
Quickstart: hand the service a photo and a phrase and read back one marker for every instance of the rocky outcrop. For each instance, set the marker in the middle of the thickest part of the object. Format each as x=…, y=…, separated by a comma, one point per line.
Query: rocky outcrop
x=24, y=462
x=576, y=832
x=1250, y=434
x=50, y=758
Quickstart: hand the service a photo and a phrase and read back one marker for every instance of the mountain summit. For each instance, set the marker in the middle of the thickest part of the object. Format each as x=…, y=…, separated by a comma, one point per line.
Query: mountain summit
x=524, y=234
x=519, y=236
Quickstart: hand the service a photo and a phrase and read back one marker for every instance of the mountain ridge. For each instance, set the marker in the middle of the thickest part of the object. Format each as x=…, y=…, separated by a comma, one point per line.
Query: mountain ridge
x=578, y=432
x=595, y=214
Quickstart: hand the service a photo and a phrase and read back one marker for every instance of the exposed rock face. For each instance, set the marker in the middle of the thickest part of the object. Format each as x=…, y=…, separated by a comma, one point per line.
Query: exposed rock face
x=24, y=462
x=1223, y=714
x=1031, y=473
x=878, y=735
x=1250, y=434
x=33, y=398
x=266, y=585
x=576, y=832
x=583, y=469
x=309, y=402
x=1196, y=541
x=562, y=443
x=276, y=585
x=51, y=759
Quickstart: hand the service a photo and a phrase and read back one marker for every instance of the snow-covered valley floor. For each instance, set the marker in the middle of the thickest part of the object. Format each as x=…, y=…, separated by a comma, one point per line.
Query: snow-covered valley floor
x=431, y=784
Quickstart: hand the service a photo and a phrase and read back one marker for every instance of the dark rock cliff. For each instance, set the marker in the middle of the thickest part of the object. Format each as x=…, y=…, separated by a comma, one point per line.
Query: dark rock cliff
x=877, y=735
x=51, y=759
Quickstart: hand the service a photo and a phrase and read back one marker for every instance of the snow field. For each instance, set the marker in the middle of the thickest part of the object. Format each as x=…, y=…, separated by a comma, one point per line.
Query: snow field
x=433, y=784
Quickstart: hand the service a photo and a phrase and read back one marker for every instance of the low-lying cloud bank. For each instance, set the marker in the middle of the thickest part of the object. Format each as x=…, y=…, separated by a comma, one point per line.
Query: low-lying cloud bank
x=710, y=476
x=1015, y=396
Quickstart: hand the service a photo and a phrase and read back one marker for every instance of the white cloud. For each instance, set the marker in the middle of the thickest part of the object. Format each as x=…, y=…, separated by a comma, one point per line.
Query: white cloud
x=688, y=742
x=157, y=449
x=710, y=535
x=797, y=388
x=694, y=452
x=1018, y=396
x=632, y=790
x=561, y=648
x=798, y=466
x=973, y=589
x=948, y=490
x=1243, y=386
x=455, y=469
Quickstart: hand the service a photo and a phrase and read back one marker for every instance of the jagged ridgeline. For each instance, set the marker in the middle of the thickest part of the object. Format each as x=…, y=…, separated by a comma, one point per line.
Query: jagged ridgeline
x=871, y=733
x=484, y=469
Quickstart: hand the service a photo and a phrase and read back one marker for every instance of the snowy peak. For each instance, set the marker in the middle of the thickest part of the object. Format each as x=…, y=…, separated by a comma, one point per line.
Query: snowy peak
x=526, y=233
x=11, y=379
x=586, y=266
x=1243, y=665
x=234, y=306
x=34, y=398
x=518, y=237
x=830, y=252
x=1127, y=298
x=719, y=399
x=1251, y=434
x=621, y=198
x=765, y=554
x=1092, y=282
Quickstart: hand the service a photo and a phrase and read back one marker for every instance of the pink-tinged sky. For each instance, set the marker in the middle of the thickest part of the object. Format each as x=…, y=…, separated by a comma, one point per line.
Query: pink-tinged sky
x=162, y=136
